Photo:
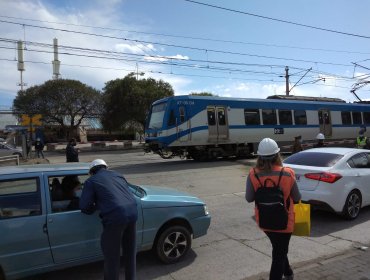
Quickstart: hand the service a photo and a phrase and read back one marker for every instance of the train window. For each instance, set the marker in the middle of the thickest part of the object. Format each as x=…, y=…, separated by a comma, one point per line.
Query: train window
x=171, y=118
x=285, y=117
x=356, y=117
x=211, y=116
x=269, y=116
x=252, y=116
x=221, y=116
x=346, y=117
x=182, y=114
x=300, y=117
x=366, y=116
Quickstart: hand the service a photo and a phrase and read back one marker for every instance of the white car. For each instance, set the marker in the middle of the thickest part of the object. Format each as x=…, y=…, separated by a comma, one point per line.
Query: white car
x=336, y=179
x=8, y=150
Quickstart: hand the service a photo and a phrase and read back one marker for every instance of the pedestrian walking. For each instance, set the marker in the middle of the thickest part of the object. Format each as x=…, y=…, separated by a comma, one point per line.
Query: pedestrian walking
x=108, y=192
x=297, y=145
x=71, y=151
x=39, y=147
x=267, y=182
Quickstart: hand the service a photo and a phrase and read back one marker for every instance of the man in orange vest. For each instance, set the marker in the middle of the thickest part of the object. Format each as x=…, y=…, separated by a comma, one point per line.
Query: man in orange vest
x=269, y=172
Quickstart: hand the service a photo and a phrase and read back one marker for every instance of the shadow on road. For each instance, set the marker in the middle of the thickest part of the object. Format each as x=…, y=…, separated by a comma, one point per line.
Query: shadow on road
x=148, y=267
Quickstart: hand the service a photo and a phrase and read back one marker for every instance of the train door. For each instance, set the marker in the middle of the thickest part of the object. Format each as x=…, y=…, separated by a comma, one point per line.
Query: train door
x=325, y=122
x=218, y=128
x=183, y=125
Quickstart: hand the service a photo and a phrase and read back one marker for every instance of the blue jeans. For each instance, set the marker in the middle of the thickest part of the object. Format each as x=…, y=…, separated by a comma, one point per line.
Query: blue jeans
x=280, y=263
x=113, y=238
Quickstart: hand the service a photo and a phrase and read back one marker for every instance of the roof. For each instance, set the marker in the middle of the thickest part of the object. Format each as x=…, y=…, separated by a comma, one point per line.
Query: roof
x=334, y=150
x=43, y=168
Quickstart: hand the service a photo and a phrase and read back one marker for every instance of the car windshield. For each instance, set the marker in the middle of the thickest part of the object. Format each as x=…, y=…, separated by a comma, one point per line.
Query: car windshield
x=314, y=159
x=156, y=118
x=137, y=190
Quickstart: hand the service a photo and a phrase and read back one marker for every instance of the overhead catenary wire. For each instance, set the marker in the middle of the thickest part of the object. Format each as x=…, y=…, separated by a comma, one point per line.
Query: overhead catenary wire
x=190, y=37
x=177, y=46
x=280, y=20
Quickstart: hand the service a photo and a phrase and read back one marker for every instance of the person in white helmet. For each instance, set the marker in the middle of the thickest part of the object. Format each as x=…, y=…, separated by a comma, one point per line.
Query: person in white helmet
x=108, y=192
x=269, y=172
x=320, y=141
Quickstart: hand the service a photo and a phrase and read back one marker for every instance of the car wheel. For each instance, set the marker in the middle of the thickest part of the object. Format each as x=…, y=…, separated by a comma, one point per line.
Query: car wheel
x=18, y=154
x=173, y=244
x=352, y=206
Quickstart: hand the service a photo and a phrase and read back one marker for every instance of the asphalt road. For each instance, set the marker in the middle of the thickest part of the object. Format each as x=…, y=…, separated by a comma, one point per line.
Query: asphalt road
x=234, y=247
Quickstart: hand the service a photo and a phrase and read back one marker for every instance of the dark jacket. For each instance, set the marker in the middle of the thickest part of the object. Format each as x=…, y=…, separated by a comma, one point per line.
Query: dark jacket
x=71, y=153
x=108, y=192
x=39, y=146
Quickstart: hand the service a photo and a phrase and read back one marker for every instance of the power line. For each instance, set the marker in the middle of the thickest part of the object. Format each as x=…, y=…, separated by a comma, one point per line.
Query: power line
x=189, y=37
x=279, y=20
x=178, y=46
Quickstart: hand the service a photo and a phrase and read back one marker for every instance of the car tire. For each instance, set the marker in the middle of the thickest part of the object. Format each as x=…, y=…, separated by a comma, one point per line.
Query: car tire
x=18, y=154
x=352, y=207
x=173, y=244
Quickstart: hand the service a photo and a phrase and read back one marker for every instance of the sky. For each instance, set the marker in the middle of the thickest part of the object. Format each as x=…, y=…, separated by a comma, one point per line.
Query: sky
x=234, y=48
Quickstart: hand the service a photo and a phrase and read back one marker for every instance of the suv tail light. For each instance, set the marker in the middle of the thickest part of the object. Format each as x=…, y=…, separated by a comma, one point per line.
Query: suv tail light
x=324, y=177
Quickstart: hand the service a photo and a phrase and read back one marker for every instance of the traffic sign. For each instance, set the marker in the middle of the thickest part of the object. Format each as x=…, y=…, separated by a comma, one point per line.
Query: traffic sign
x=34, y=120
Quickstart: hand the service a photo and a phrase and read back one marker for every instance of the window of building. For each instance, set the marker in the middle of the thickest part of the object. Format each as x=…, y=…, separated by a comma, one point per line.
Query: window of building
x=346, y=117
x=20, y=198
x=356, y=116
x=285, y=117
x=269, y=116
x=252, y=116
x=300, y=117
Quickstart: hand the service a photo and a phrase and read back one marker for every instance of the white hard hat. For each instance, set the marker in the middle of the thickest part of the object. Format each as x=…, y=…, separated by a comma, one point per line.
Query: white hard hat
x=97, y=162
x=320, y=136
x=267, y=147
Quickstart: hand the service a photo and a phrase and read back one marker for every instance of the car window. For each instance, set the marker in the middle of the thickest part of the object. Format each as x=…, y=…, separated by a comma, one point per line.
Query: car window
x=20, y=198
x=314, y=159
x=359, y=161
x=64, y=191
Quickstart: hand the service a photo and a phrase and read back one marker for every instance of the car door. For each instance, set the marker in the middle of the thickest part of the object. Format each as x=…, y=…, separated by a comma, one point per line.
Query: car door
x=360, y=171
x=72, y=234
x=24, y=244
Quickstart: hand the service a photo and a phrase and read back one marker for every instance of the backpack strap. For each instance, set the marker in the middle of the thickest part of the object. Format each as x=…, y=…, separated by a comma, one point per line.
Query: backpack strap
x=287, y=203
x=257, y=177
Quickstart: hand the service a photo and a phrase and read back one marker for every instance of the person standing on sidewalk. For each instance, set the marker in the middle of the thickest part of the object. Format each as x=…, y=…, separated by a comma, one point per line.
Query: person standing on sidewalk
x=269, y=172
x=71, y=151
x=39, y=147
x=108, y=192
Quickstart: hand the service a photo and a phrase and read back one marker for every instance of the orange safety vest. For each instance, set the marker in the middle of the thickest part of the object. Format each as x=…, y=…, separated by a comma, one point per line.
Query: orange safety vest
x=286, y=183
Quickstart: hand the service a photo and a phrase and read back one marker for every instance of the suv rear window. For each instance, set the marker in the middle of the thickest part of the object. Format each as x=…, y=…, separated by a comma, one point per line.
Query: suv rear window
x=313, y=159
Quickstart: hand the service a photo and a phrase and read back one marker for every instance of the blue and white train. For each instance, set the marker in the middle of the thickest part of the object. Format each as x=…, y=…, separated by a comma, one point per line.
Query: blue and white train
x=203, y=127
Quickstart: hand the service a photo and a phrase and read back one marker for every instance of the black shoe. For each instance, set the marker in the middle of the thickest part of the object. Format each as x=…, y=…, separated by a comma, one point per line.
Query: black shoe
x=288, y=277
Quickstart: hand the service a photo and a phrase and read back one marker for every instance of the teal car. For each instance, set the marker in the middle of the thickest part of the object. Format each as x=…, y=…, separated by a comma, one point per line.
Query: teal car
x=41, y=232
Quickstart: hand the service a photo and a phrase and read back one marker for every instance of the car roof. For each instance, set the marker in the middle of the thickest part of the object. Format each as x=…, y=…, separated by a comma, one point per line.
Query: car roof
x=43, y=168
x=335, y=150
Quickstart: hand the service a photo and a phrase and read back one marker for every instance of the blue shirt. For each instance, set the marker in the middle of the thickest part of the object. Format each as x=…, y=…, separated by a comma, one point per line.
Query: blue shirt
x=108, y=192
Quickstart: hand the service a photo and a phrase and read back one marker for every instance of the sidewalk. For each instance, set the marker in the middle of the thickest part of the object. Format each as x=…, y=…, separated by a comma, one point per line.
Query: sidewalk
x=353, y=264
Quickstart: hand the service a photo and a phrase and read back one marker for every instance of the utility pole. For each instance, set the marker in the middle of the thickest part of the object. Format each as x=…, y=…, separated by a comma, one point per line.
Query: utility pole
x=56, y=62
x=287, y=80
x=20, y=64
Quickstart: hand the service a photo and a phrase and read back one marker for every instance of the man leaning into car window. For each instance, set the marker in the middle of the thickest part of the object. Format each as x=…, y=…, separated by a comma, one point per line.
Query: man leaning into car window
x=108, y=192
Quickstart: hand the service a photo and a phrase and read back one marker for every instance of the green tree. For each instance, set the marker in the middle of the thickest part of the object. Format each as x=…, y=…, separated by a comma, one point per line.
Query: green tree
x=63, y=102
x=128, y=100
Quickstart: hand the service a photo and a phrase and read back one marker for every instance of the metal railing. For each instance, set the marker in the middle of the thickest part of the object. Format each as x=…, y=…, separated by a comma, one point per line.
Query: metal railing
x=9, y=160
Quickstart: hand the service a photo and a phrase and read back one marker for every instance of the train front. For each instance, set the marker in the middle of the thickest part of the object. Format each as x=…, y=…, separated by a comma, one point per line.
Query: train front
x=155, y=133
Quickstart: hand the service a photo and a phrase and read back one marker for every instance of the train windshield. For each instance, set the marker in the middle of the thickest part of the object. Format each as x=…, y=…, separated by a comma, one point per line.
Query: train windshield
x=156, y=118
